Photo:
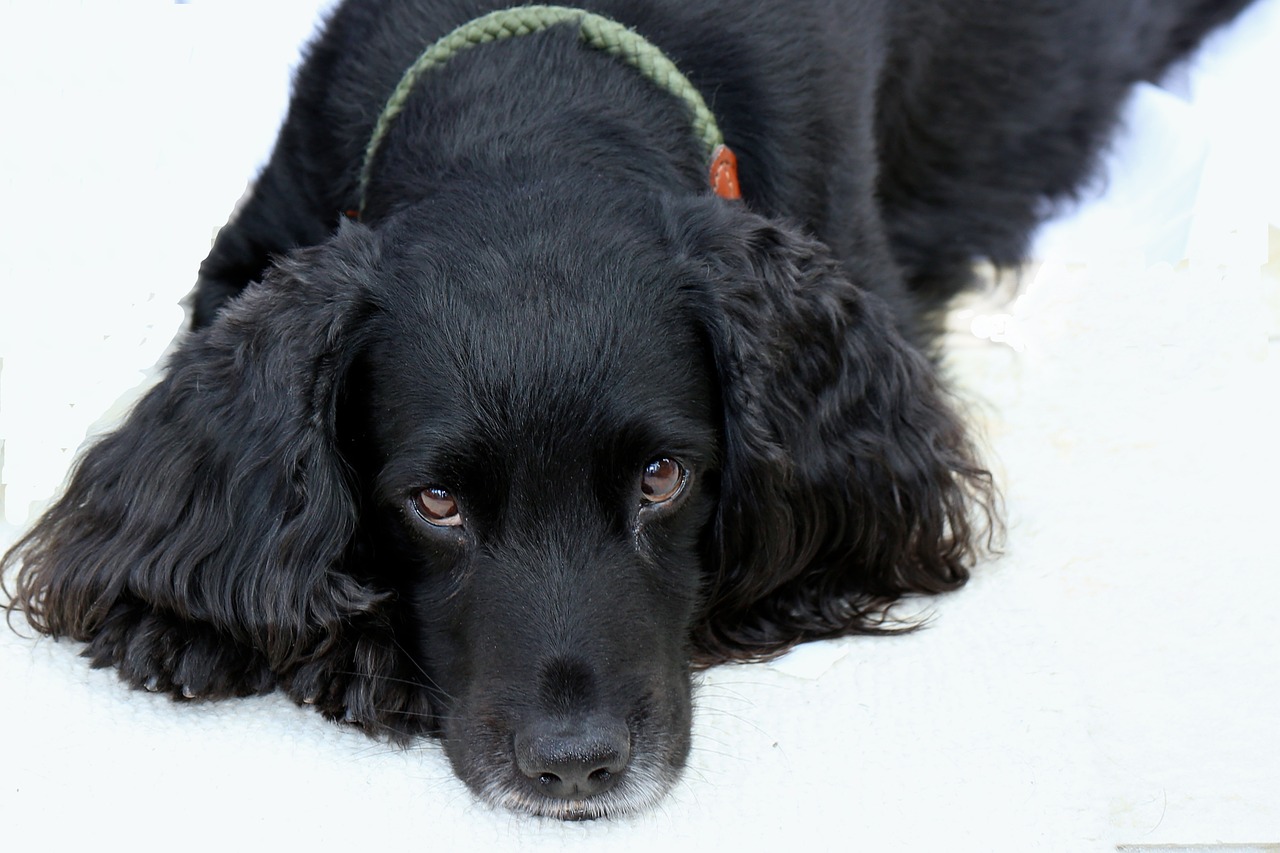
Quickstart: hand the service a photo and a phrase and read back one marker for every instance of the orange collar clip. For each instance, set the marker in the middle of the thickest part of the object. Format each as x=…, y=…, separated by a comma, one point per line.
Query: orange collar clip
x=723, y=174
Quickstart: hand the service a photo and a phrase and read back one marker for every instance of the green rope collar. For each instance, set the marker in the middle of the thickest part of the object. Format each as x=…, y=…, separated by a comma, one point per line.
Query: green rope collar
x=595, y=31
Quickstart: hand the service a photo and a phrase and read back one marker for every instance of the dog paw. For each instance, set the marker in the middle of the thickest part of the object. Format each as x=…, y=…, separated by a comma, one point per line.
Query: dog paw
x=186, y=660
x=322, y=683
x=365, y=685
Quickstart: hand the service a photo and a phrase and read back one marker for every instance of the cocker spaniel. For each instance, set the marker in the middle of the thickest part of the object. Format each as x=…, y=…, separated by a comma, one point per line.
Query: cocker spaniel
x=512, y=397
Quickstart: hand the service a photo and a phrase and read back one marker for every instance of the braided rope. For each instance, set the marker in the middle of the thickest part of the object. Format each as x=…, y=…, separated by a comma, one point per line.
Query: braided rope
x=596, y=31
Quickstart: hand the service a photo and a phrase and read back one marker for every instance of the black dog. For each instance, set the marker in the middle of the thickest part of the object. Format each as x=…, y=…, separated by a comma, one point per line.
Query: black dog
x=553, y=423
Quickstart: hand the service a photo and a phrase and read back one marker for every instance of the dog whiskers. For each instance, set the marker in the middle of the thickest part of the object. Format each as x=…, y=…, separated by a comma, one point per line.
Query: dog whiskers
x=433, y=685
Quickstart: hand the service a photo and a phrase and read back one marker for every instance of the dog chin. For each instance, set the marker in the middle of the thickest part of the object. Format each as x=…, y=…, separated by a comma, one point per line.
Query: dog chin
x=644, y=784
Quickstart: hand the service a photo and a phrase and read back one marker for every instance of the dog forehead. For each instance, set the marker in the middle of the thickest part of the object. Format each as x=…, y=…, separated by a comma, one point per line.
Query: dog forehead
x=538, y=350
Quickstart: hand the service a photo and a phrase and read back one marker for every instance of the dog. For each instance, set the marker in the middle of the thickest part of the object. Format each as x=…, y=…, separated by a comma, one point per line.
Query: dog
x=509, y=402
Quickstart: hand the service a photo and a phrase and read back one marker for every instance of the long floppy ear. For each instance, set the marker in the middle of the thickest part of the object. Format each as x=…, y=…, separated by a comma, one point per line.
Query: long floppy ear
x=200, y=547
x=848, y=480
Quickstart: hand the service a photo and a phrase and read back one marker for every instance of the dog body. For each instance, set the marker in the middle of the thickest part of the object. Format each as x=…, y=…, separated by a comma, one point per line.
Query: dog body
x=551, y=423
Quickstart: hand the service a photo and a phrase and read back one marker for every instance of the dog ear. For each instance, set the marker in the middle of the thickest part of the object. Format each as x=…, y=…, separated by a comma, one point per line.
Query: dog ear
x=847, y=480
x=221, y=503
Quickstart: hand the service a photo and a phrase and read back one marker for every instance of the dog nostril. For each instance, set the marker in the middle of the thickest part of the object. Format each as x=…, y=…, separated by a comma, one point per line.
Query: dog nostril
x=573, y=760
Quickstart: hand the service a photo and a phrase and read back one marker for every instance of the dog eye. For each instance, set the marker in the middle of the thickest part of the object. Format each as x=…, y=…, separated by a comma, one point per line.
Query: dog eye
x=438, y=507
x=661, y=480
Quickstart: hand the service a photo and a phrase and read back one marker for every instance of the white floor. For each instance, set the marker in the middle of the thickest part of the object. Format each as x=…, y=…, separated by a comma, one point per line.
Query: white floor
x=1113, y=679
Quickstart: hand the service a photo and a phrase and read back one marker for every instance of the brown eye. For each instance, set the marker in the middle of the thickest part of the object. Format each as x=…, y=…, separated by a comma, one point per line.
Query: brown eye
x=662, y=480
x=438, y=507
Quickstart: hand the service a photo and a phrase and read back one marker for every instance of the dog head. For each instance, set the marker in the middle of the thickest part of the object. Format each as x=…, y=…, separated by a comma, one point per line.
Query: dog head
x=506, y=473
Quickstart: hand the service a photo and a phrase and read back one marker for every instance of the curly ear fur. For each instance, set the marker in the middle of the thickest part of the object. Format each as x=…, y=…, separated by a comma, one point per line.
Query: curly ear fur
x=200, y=548
x=848, y=479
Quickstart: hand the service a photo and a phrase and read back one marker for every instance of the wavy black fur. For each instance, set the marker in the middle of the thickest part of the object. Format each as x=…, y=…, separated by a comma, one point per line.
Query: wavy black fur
x=542, y=300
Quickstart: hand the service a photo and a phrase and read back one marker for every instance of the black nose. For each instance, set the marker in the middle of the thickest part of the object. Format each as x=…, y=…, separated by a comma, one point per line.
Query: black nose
x=572, y=760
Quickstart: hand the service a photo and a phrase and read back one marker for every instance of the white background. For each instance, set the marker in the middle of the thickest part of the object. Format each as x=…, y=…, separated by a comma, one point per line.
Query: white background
x=1114, y=678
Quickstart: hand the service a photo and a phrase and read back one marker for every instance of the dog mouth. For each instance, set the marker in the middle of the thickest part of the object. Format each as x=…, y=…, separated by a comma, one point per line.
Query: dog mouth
x=636, y=789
